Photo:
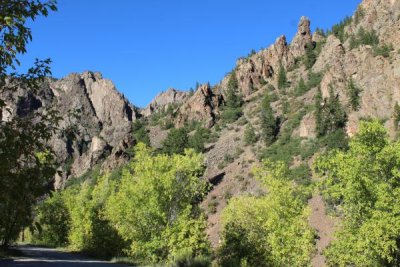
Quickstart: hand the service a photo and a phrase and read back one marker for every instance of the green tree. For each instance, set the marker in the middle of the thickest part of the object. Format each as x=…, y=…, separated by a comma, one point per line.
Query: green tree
x=140, y=132
x=282, y=78
x=233, y=102
x=330, y=115
x=338, y=29
x=176, y=142
x=364, y=37
x=268, y=121
x=310, y=56
x=52, y=222
x=396, y=115
x=250, y=136
x=363, y=184
x=232, y=98
x=153, y=207
x=199, y=138
x=319, y=105
x=26, y=163
x=301, y=87
x=353, y=92
x=271, y=230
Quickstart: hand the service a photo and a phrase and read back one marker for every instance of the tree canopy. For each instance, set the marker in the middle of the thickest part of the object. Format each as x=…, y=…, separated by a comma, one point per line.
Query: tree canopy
x=362, y=185
x=27, y=164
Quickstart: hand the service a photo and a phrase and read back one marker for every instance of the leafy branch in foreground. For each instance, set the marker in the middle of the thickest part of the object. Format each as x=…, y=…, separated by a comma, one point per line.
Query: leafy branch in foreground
x=27, y=164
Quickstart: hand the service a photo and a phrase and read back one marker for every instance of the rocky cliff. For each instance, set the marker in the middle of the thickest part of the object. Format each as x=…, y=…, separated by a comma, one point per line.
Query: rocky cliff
x=96, y=128
x=96, y=125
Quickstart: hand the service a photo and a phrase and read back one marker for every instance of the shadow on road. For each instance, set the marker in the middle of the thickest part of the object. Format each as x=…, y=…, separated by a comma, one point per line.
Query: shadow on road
x=37, y=257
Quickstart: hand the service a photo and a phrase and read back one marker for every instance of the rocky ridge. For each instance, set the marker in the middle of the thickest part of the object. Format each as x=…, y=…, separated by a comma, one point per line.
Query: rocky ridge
x=101, y=133
x=96, y=125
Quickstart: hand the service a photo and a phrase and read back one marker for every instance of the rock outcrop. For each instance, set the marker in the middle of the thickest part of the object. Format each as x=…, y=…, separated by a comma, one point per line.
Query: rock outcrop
x=163, y=100
x=302, y=39
x=203, y=106
x=96, y=125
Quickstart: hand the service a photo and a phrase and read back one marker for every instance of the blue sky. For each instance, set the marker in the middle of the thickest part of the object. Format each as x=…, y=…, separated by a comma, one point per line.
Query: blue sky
x=148, y=46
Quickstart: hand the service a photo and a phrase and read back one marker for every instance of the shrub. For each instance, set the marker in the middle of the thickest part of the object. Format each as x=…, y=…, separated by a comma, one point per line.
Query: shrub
x=230, y=115
x=212, y=206
x=383, y=50
x=301, y=174
x=273, y=97
x=364, y=37
x=250, y=136
x=228, y=158
x=187, y=260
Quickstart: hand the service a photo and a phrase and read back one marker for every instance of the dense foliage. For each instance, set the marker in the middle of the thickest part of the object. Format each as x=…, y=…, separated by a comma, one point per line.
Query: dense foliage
x=140, y=132
x=363, y=186
x=271, y=230
x=149, y=211
x=153, y=207
x=199, y=138
x=26, y=165
x=176, y=141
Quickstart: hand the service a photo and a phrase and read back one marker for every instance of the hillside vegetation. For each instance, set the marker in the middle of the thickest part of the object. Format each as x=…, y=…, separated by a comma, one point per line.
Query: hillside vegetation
x=224, y=175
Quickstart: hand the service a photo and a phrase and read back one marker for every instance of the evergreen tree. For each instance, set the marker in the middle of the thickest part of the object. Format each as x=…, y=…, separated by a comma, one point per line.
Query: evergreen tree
x=140, y=132
x=310, y=57
x=301, y=87
x=233, y=102
x=199, y=138
x=330, y=115
x=176, y=141
x=282, y=78
x=319, y=104
x=396, y=115
x=268, y=121
x=354, y=94
x=336, y=116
